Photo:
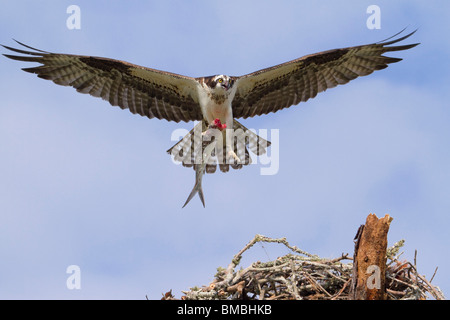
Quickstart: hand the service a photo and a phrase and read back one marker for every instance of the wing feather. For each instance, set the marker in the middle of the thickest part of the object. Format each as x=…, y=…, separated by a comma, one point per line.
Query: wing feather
x=287, y=84
x=148, y=92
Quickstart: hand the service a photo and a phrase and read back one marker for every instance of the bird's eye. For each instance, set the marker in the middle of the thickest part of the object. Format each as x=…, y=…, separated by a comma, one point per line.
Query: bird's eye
x=220, y=80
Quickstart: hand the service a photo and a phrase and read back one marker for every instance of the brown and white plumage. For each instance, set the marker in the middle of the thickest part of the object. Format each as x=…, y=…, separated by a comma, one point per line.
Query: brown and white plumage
x=144, y=91
x=299, y=80
x=164, y=95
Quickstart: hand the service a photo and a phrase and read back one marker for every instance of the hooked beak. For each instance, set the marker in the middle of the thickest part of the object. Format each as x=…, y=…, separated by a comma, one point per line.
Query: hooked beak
x=226, y=85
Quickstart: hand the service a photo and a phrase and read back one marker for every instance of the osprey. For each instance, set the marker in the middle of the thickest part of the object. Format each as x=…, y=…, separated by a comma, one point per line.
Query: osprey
x=174, y=97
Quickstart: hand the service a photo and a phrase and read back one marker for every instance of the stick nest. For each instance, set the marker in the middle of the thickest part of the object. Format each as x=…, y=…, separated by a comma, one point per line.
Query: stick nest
x=301, y=275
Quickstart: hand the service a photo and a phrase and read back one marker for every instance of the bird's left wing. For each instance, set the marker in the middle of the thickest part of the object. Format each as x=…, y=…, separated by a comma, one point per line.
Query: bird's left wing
x=148, y=92
x=290, y=83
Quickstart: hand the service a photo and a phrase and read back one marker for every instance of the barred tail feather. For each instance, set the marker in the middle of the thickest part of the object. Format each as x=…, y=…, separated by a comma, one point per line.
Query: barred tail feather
x=188, y=150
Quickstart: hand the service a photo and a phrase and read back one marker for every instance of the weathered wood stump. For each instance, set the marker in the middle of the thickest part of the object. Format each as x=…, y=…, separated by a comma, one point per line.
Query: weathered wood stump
x=369, y=260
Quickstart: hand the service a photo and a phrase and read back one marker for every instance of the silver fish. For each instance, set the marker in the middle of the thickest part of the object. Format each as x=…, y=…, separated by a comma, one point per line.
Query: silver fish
x=207, y=150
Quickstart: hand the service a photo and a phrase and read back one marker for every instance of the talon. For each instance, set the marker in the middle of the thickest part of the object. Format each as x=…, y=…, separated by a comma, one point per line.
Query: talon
x=233, y=155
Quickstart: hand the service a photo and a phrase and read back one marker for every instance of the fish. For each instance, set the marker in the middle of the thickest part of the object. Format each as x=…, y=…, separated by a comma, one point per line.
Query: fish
x=208, y=144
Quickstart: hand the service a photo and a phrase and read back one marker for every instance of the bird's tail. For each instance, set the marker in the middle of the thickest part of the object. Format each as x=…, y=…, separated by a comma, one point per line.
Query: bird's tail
x=189, y=149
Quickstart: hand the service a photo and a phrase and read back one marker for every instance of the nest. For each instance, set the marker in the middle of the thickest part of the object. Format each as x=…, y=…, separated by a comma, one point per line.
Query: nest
x=301, y=275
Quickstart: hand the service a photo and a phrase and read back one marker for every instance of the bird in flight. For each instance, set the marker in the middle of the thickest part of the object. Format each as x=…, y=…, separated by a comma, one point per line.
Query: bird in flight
x=164, y=95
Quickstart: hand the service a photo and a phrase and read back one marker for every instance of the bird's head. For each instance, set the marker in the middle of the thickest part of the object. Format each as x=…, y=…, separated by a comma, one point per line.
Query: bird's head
x=222, y=82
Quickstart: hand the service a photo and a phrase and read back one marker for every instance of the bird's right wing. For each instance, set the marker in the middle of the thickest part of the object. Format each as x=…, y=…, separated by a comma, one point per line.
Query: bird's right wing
x=148, y=92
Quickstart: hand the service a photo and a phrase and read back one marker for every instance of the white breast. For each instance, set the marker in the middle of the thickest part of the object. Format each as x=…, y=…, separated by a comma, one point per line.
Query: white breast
x=215, y=103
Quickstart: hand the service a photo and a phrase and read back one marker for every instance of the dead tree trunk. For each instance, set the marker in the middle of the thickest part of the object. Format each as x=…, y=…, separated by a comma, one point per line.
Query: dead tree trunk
x=369, y=260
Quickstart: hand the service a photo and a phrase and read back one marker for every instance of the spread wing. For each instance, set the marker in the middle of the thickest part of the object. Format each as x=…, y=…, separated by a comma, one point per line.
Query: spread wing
x=290, y=83
x=148, y=92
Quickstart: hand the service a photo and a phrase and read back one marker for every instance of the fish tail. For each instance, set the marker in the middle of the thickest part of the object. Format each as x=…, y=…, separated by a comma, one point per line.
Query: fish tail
x=200, y=194
x=191, y=195
x=197, y=189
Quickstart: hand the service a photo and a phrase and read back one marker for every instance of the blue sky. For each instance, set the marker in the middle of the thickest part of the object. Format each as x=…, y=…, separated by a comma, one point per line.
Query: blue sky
x=86, y=184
